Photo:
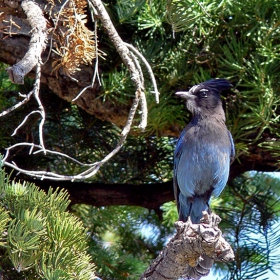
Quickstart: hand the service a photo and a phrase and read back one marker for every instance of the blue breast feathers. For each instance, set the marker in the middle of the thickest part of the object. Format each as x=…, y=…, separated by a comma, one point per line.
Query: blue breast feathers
x=199, y=168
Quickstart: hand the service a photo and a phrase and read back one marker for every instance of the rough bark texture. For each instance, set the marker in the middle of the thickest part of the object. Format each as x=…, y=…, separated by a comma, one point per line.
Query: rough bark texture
x=38, y=25
x=184, y=249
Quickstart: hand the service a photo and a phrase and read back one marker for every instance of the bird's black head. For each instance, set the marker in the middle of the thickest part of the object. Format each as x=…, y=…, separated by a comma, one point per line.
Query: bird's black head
x=204, y=98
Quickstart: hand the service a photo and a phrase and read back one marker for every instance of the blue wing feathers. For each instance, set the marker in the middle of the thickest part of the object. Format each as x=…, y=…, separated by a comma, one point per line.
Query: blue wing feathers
x=199, y=166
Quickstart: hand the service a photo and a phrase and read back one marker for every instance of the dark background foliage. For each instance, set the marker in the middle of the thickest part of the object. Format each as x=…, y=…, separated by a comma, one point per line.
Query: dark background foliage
x=185, y=42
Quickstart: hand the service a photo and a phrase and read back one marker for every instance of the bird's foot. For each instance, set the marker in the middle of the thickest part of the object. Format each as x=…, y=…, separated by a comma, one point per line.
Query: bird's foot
x=211, y=219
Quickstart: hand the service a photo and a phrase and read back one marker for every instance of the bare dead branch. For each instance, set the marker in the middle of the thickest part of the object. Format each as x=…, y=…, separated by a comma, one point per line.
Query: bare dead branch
x=14, y=107
x=40, y=105
x=184, y=250
x=150, y=71
x=117, y=41
x=24, y=121
x=41, y=110
x=37, y=42
x=129, y=58
x=143, y=100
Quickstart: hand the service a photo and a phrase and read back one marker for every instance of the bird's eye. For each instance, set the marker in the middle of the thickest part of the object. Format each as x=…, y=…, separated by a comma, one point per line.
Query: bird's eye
x=203, y=93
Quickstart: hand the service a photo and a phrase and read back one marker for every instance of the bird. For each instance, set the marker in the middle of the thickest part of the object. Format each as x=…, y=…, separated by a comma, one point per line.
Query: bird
x=202, y=157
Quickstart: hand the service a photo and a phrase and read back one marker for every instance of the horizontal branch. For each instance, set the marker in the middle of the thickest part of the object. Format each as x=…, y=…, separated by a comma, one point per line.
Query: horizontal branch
x=150, y=196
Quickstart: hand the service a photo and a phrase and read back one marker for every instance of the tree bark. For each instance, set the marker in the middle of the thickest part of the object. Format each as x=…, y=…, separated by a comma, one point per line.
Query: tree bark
x=150, y=196
x=189, y=243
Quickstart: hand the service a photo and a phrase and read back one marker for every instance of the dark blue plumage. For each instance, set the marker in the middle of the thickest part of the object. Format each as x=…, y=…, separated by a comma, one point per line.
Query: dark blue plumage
x=202, y=156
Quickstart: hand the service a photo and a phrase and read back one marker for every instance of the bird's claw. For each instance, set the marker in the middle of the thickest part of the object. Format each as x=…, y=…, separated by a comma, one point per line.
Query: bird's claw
x=210, y=219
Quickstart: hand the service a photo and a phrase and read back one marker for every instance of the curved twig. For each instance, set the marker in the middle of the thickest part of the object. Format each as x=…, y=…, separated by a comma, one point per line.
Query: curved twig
x=17, y=105
x=129, y=56
x=150, y=71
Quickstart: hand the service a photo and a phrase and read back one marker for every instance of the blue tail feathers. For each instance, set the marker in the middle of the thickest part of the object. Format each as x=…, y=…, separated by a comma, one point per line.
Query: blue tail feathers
x=193, y=207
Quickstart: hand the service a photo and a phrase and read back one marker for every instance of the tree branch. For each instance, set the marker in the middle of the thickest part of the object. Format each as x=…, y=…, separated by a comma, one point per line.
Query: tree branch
x=37, y=42
x=187, y=246
x=150, y=196
x=33, y=57
x=150, y=71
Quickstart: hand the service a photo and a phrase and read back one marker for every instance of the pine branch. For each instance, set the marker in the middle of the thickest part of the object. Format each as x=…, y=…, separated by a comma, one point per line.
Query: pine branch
x=187, y=246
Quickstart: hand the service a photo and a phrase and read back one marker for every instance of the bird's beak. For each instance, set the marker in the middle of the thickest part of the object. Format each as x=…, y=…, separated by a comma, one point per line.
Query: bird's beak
x=184, y=94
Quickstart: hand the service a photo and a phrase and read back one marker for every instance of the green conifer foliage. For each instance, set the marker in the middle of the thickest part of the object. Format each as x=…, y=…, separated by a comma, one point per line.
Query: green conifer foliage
x=39, y=239
x=250, y=212
x=187, y=42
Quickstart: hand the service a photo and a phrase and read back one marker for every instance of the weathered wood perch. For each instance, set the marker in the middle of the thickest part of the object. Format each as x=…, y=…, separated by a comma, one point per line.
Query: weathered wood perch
x=184, y=250
x=37, y=43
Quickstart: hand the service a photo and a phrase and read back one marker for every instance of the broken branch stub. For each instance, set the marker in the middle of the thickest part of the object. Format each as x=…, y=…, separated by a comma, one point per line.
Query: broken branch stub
x=37, y=43
x=188, y=245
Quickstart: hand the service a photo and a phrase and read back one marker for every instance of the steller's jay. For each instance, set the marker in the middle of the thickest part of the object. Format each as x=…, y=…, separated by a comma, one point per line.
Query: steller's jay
x=202, y=157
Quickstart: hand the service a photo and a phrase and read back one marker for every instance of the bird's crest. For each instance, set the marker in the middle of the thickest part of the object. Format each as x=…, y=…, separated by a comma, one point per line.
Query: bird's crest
x=217, y=84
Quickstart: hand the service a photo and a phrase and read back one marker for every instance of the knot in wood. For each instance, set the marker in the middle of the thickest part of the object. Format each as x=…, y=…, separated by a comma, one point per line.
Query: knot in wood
x=180, y=226
x=209, y=234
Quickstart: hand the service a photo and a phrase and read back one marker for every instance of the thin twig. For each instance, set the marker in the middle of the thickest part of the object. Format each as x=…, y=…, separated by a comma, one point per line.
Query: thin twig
x=32, y=146
x=96, y=74
x=41, y=110
x=143, y=101
x=144, y=111
x=24, y=121
x=14, y=107
x=54, y=28
x=150, y=71
x=40, y=105
x=117, y=41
